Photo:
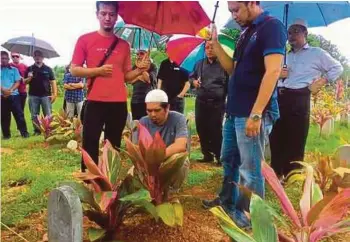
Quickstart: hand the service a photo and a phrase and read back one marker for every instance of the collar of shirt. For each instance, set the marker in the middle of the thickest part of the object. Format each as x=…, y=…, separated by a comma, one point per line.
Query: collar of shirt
x=260, y=18
x=305, y=47
x=208, y=62
x=6, y=66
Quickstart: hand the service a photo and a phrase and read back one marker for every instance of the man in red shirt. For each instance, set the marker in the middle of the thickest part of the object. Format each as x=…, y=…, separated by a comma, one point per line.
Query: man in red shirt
x=22, y=89
x=107, y=99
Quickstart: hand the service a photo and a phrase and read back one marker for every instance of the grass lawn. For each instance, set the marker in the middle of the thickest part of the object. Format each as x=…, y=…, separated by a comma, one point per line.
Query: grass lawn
x=30, y=170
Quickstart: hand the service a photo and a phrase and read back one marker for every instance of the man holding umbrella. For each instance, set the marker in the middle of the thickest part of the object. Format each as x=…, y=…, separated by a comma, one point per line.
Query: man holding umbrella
x=251, y=103
x=42, y=88
x=107, y=96
x=308, y=69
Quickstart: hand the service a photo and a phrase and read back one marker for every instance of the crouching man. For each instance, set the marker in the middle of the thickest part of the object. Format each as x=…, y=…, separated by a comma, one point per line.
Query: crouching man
x=171, y=126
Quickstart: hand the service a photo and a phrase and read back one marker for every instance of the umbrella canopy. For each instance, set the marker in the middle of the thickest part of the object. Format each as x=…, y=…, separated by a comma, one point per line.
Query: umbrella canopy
x=137, y=37
x=165, y=17
x=187, y=51
x=316, y=14
x=26, y=45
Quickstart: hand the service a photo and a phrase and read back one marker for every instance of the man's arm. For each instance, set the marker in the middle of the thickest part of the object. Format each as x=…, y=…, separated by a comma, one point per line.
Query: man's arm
x=53, y=90
x=178, y=146
x=226, y=61
x=273, y=66
x=185, y=89
x=159, y=84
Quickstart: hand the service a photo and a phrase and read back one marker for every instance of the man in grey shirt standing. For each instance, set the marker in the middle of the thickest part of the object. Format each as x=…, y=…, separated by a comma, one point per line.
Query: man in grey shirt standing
x=210, y=81
x=308, y=69
x=170, y=124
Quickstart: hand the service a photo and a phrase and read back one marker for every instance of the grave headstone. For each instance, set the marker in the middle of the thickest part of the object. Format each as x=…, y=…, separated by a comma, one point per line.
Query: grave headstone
x=65, y=216
x=328, y=127
x=342, y=156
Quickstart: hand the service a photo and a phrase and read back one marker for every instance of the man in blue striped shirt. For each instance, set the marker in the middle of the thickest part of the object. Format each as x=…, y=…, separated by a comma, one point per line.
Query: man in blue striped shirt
x=308, y=69
x=74, y=95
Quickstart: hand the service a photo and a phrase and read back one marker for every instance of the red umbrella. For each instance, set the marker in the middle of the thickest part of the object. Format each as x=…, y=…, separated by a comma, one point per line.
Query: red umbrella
x=165, y=17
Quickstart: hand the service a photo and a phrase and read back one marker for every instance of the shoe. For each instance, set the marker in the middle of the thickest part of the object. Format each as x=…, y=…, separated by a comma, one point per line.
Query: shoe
x=205, y=160
x=207, y=204
x=218, y=162
x=25, y=135
x=239, y=217
x=6, y=137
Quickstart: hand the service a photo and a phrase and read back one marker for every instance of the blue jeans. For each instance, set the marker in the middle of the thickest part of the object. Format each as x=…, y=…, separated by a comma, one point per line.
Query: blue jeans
x=34, y=106
x=241, y=157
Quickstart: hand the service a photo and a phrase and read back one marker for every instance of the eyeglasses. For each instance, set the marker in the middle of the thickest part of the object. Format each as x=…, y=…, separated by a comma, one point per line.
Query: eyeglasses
x=15, y=56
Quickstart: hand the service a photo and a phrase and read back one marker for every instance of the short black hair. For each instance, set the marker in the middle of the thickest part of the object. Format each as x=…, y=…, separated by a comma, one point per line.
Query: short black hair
x=246, y=2
x=113, y=3
x=5, y=53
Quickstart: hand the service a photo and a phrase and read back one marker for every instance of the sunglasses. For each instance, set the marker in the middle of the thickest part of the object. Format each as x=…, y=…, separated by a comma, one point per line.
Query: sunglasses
x=15, y=56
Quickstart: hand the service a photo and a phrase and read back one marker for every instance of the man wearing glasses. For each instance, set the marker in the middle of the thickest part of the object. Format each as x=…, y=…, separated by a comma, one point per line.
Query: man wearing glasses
x=308, y=69
x=22, y=68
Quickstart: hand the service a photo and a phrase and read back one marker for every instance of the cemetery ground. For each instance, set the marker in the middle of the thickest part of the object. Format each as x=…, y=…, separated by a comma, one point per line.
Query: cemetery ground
x=30, y=170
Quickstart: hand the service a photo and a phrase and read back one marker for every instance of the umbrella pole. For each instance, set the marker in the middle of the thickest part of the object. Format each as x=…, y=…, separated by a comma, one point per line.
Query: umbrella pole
x=205, y=41
x=139, y=38
x=285, y=20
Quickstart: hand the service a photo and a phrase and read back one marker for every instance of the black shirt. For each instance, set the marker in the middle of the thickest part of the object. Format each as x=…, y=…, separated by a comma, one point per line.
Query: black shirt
x=40, y=84
x=214, y=80
x=173, y=78
x=140, y=88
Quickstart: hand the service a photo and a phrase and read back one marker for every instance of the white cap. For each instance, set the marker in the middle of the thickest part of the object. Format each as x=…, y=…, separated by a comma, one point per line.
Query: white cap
x=300, y=22
x=156, y=96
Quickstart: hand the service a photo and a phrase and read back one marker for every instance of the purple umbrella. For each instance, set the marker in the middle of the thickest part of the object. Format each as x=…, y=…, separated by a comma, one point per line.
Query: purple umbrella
x=26, y=45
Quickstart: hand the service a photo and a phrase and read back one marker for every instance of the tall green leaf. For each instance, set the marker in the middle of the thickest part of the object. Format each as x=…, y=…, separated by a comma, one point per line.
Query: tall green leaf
x=230, y=227
x=262, y=221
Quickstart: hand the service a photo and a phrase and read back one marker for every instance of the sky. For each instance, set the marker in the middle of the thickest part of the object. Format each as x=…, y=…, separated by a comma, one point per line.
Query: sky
x=61, y=23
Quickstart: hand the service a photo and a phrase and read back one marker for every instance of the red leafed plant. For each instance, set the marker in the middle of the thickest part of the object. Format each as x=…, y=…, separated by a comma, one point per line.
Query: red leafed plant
x=110, y=193
x=44, y=124
x=320, y=216
x=156, y=173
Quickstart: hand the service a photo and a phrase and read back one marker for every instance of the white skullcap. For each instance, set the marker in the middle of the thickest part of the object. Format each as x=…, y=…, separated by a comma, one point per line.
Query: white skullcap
x=300, y=22
x=156, y=96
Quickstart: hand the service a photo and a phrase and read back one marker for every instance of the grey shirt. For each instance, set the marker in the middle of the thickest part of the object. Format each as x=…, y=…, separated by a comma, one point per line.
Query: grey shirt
x=214, y=80
x=174, y=127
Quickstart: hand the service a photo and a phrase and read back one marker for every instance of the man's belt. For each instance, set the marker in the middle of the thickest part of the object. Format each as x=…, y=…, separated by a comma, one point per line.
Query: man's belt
x=300, y=91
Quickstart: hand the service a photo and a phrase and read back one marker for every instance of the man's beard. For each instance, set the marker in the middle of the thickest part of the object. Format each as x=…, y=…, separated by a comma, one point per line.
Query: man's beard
x=108, y=29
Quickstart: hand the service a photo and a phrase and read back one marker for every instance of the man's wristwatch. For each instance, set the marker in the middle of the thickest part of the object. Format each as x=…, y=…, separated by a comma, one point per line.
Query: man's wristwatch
x=255, y=117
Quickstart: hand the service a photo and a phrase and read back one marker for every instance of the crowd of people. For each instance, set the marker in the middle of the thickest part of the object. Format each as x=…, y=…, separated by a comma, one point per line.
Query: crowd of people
x=261, y=98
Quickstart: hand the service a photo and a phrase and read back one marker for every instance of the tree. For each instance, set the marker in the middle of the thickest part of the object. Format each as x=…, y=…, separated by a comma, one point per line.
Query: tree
x=233, y=33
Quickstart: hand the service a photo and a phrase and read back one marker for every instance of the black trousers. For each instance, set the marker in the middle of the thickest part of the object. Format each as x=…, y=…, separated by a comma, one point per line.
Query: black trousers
x=23, y=97
x=12, y=104
x=111, y=115
x=177, y=104
x=138, y=110
x=289, y=134
x=209, y=118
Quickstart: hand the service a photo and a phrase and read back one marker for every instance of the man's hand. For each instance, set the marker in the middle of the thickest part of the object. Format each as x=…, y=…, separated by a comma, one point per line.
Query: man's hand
x=316, y=85
x=106, y=70
x=144, y=64
x=6, y=92
x=284, y=73
x=214, y=33
x=197, y=83
x=145, y=77
x=252, y=128
x=53, y=98
x=181, y=95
